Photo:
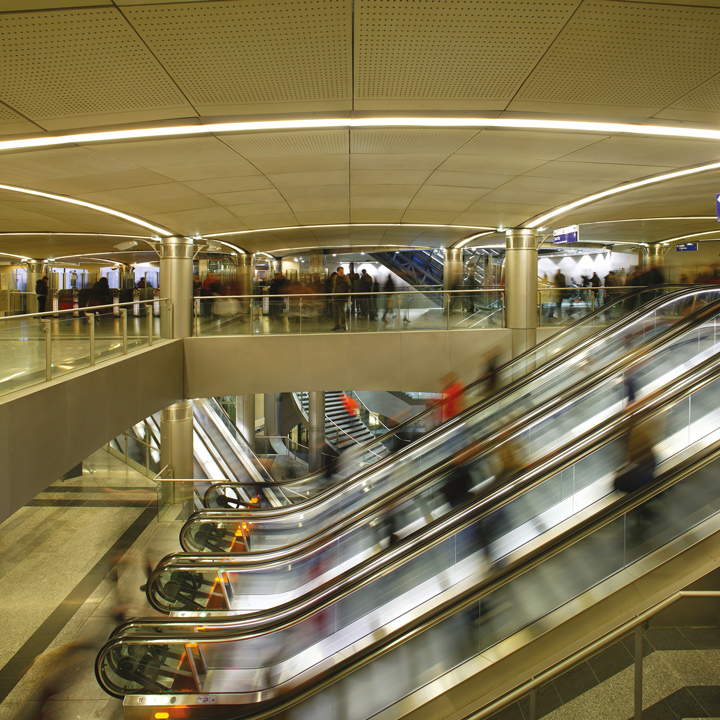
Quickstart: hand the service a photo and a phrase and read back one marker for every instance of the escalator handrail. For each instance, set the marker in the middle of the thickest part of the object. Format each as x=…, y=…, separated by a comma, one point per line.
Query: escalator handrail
x=499, y=578
x=510, y=387
x=571, y=394
x=489, y=501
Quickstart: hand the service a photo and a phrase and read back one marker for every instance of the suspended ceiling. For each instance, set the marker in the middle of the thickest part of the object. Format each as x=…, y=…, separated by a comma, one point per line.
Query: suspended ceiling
x=95, y=65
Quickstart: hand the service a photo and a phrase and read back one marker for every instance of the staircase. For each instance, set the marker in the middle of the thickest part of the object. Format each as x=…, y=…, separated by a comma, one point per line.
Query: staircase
x=341, y=429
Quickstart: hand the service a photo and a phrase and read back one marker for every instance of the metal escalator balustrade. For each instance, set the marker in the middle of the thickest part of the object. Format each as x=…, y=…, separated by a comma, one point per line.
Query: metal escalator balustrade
x=283, y=527
x=457, y=610
x=553, y=348
x=262, y=580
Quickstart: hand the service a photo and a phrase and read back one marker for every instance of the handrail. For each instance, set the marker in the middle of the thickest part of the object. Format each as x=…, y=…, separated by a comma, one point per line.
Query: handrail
x=489, y=501
x=588, y=650
x=489, y=584
x=88, y=308
x=496, y=435
x=484, y=402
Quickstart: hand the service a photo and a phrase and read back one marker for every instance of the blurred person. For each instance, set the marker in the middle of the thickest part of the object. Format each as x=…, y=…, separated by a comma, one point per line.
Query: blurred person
x=366, y=283
x=560, y=284
x=388, y=289
x=596, y=284
x=374, y=299
x=67, y=666
x=341, y=290
x=278, y=286
x=453, y=391
x=41, y=291
x=141, y=283
x=637, y=471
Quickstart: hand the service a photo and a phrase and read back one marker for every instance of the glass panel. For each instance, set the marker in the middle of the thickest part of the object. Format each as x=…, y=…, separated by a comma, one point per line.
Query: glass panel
x=22, y=353
x=70, y=344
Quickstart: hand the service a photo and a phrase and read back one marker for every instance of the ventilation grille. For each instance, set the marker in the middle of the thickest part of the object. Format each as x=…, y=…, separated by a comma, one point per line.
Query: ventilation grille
x=255, y=51
x=78, y=62
x=467, y=49
x=629, y=54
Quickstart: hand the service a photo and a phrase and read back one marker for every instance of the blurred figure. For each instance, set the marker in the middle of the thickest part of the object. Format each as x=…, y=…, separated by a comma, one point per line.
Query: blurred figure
x=41, y=290
x=489, y=375
x=350, y=404
x=388, y=289
x=452, y=402
x=366, y=284
x=69, y=659
x=637, y=471
x=277, y=287
x=560, y=285
x=341, y=289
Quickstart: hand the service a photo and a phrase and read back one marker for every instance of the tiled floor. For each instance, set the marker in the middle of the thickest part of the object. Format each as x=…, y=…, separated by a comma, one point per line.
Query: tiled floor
x=67, y=560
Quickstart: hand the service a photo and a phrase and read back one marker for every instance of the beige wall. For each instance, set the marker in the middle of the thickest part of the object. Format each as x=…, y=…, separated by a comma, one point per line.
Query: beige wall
x=47, y=430
x=410, y=361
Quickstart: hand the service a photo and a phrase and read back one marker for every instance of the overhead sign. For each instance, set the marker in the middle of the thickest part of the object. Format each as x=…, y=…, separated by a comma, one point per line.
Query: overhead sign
x=686, y=246
x=565, y=235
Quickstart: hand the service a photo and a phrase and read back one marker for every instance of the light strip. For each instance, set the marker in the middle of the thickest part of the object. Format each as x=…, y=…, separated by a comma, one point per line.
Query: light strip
x=681, y=217
x=21, y=257
x=464, y=242
x=92, y=206
x=358, y=123
x=70, y=234
x=346, y=225
x=619, y=189
x=685, y=237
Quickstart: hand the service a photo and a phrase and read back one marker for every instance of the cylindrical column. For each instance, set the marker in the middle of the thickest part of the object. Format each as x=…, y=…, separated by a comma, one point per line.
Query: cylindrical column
x=316, y=428
x=176, y=452
x=176, y=443
x=176, y=283
x=452, y=277
x=453, y=269
x=245, y=279
x=521, y=258
x=34, y=273
x=655, y=254
x=245, y=417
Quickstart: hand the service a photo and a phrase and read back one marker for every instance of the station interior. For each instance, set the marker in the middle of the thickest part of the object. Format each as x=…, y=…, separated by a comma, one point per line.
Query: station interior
x=359, y=359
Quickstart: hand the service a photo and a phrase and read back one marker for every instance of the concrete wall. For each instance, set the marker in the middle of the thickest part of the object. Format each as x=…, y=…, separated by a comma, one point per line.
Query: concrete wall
x=409, y=361
x=48, y=430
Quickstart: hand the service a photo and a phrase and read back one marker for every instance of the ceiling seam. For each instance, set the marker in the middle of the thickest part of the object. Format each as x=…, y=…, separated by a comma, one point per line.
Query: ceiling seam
x=156, y=58
x=22, y=115
x=542, y=57
x=250, y=162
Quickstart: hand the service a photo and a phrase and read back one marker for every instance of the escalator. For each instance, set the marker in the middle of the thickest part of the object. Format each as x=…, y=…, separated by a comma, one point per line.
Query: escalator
x=250, y=581
x=442, y=612
x=214, y=530
x=557, y=346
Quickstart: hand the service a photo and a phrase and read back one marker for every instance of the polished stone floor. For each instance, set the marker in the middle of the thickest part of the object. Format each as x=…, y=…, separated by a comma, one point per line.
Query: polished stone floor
x=68, y=560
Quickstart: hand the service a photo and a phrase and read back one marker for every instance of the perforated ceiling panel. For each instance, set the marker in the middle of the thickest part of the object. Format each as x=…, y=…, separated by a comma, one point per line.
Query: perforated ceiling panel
x=168, y=153
x=409, y=142
x=629, y=54
x=705, y=97
x=469, y=49
x=78, y=62
x=255, y=51
x=60, y=163
x=539, y=145
x=289, y=144
x=644, y=151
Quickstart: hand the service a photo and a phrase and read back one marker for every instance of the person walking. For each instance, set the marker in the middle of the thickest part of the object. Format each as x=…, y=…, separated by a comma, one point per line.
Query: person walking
x=341, y=289
x=41, y=290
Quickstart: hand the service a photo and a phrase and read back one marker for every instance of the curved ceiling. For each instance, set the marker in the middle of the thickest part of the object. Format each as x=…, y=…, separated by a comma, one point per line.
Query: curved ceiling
x=97, y=65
